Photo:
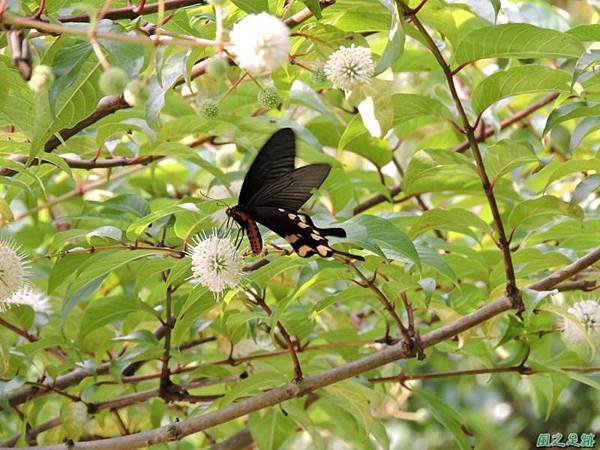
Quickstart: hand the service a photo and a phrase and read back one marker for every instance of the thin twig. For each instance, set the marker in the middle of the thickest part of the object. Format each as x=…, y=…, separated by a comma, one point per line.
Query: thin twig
x=511, y=284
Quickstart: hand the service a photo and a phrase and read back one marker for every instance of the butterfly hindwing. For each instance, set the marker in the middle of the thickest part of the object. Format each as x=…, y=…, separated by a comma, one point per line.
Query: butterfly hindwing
x=274, y=160
x=298, y=230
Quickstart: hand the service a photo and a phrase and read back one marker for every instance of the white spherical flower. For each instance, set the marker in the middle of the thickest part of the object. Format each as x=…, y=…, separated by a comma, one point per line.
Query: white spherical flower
x=14, y=269
x=216, y=263
x=587, y=312
x=261, y=43
x=350, y=66
x=31, y=296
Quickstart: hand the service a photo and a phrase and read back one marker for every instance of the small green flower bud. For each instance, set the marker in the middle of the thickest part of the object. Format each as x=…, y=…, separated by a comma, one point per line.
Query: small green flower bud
x=41, y=79
x=319, y=75
x=136, y=93
x=226, y=157
x=113, y=81
x=208, y=108
x=217, y=67
x=269, y=97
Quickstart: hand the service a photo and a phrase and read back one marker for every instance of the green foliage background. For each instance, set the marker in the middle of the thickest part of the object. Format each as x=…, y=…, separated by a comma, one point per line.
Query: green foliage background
x=106, y=243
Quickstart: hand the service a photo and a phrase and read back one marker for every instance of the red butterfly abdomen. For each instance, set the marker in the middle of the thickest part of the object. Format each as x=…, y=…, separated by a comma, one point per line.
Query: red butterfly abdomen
x=249, y=224
x=254, y=236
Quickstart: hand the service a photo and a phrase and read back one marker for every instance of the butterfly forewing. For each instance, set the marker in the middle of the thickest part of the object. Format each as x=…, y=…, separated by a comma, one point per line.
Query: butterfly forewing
x=291, y=191
x=275, y=159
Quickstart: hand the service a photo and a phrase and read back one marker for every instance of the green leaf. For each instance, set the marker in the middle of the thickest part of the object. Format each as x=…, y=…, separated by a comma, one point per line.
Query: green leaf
x=570, y=111
x=455, y=219
x=102, y=263
x=395, y=44
x=375, y=108
x=251, y=385
x=252, y=6
x=506, y=155
x=410, y=106
x=584, y=189
x=366, y=230
x=517, y=81
x=546, y=206
x=357, y=139
x=428, y=168
x=73, y=419
x=296, y=409
x=4, y=85
x=104, y=311
x=572, y=166
x=74, y=103
x=448, y=417
x=586, y=33
x=270, y=428
x=583, y=129
x=515, y=327
x=518, y=40
x=139, y=226
x=351, y=396
x=314, y=6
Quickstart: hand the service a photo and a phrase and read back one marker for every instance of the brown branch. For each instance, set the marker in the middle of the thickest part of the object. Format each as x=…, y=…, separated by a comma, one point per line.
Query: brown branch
x=31, y=338
x=387, y=304
x=278, y=395
x=511, y=284
x=114, y=404
x=376, y=200
x=577, y=285
x=238, y=441
x=106, y=106
x=522, y=370
x=260, y=301
x=132, y=12
x=516, y=117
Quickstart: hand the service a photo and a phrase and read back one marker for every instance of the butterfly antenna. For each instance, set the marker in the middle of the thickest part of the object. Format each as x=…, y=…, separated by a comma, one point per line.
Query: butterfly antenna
x=219, y=202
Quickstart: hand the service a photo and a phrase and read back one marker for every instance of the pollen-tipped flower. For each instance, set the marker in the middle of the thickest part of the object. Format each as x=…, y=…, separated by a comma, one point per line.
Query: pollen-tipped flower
x=14, y=269
x=587, y=313
x=216, y=263
x=261, y=42
x=31, y=296
x=350, y=66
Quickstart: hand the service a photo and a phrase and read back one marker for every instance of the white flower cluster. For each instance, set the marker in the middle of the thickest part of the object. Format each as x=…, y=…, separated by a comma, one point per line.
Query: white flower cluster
x=31, y=296
x=216, y=263
x=348, y=67
x=587, y=312
x=260, y=42
x=14, y=270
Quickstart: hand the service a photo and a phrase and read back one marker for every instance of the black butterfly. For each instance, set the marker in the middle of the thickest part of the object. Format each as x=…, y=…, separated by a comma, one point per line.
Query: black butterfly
x=273, y=192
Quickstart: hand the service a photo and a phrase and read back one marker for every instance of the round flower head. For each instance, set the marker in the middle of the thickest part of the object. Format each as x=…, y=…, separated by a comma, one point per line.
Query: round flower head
x=587, y=312
x=261, y=42
x=14, y=269
x=350, y=66
x=32, y=296
x=216, y=263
